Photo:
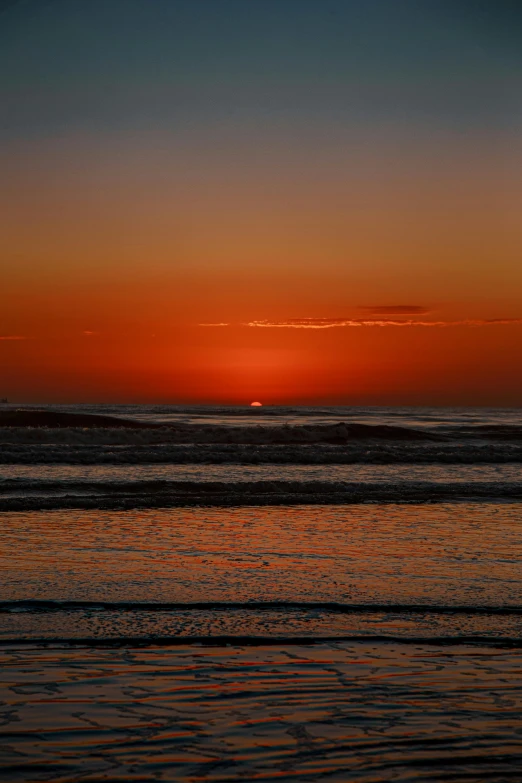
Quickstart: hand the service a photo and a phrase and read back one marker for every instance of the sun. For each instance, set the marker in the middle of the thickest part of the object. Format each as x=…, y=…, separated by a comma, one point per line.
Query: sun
x=256, y=404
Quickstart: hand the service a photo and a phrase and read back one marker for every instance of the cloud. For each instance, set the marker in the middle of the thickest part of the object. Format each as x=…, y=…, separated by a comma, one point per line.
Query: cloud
x=336, y=323
x=491, y=321
x=303, y=323
x=12, y=337
x=396, y=310
x=325, y=323
x=88, y=333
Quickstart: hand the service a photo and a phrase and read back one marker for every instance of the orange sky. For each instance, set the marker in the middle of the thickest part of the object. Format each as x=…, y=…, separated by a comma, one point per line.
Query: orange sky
x=122, y=236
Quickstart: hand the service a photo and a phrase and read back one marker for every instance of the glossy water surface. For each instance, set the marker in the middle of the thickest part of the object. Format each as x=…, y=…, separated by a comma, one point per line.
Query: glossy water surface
x=341, y=712
x=449, y=555
x=28, y=475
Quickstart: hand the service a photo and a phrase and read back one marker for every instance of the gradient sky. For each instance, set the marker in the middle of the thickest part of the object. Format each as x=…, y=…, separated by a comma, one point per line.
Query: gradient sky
x=293, y=201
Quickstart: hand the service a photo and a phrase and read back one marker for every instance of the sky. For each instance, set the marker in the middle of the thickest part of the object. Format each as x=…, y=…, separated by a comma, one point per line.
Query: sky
x=291, y=201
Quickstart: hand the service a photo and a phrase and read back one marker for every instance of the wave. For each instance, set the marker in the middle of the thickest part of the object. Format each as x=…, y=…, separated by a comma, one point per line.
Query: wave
x=59, y=419
x=20, y=486
x=339, y=433
x=270, y=425
x=259, y=641
x=33, y=447
x=48, y=437
x=500, y=432
x=58, y=605
x=170, y=494
x=114, y=623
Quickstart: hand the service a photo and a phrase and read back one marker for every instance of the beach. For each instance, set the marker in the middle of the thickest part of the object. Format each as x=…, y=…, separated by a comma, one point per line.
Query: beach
x=340, y=711
x=197, y=619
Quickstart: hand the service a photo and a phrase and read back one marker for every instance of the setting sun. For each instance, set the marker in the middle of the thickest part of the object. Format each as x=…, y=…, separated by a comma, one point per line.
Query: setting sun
x=256, y=404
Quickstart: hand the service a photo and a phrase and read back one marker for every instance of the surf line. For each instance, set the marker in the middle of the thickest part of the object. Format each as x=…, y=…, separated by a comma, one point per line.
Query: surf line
x=258, y=641
x=43, y=605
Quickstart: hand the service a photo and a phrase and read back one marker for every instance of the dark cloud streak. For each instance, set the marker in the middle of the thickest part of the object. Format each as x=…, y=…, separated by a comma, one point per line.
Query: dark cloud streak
x=396, y=310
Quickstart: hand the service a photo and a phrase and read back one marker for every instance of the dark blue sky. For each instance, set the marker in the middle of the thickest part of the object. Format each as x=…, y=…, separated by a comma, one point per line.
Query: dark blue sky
x=97, y=64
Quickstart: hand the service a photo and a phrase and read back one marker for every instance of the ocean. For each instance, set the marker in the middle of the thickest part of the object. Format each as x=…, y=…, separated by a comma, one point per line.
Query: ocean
x=235, y=593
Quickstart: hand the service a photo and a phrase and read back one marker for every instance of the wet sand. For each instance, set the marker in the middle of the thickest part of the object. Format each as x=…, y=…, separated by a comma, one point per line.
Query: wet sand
x=344, y=711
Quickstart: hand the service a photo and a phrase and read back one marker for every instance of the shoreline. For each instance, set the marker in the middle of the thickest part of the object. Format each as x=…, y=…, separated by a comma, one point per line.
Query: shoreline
x=139, y=642
x=199, y=497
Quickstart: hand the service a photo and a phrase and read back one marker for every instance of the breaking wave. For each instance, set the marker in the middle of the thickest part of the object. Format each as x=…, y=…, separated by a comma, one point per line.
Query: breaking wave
x=52, y=427
x=165, y=494
x=89, y=448
x=89, y=437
